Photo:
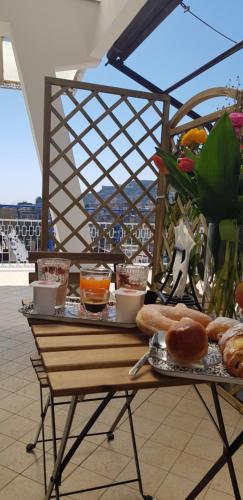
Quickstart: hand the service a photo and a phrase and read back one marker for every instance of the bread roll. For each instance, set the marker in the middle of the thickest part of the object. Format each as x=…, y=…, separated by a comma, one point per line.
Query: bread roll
x=218, y=326
x=187, y=342
x=150, y=319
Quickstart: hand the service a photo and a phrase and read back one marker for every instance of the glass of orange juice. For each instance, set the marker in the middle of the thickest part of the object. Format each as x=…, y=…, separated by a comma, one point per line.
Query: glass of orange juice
x=94, y=288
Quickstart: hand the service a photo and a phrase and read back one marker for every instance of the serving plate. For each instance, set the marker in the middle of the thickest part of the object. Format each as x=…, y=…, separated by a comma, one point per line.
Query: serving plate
x=72, y=313
x=210, y=369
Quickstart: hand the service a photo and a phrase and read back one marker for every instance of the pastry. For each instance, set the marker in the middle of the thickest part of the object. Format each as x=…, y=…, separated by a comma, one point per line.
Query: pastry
x=233, y=355
x=187, y=342
x=150, y=319
x=236, y=330
x=218, y=326
x=181, y=311
x=154, y=317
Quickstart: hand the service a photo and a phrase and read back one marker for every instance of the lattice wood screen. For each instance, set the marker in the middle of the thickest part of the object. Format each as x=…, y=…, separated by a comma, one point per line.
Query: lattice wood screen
x=99, y=183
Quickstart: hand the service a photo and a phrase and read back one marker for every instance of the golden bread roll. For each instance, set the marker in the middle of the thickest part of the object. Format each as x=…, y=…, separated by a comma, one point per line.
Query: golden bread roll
x=236, y=330
x=182, y=311
x=218, y=326
x=233, y=355
x=187, y=342
x=150, y=319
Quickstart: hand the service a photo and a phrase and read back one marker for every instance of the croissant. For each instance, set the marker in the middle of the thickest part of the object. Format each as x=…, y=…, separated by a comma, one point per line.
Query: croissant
x=182, y=311
x=235, y=331
x=233, y=355
x=218, y=326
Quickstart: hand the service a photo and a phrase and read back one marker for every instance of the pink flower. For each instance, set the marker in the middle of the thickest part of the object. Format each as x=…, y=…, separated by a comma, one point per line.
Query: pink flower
x=185, y=164
x=237, y=122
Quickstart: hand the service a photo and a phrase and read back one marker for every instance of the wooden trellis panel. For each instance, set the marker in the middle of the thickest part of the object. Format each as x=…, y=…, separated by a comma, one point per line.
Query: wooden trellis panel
x=112, y=133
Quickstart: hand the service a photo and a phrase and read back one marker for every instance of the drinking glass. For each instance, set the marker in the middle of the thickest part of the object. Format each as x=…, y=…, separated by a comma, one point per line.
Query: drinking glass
x=131, y=276
x=94, y=301
x=94, y=280
x=55, y=270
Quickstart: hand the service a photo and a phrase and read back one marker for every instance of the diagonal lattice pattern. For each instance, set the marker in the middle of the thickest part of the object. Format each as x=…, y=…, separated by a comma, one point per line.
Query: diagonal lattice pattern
x=100, y=185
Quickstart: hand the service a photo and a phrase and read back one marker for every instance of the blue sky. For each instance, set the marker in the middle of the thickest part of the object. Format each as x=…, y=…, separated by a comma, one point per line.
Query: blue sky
x=178, y=46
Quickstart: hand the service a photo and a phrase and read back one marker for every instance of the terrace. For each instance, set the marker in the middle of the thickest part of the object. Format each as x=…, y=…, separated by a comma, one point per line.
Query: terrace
x=177, y=443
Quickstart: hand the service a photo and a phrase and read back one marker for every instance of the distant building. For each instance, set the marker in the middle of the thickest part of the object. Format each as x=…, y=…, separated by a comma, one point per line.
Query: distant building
x=23, y=210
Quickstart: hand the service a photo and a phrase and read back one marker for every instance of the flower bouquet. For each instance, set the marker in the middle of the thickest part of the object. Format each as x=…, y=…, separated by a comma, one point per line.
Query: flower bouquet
x=211, y=176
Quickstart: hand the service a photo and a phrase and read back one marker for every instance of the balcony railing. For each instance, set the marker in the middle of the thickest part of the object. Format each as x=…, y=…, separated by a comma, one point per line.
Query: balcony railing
x=20, y=236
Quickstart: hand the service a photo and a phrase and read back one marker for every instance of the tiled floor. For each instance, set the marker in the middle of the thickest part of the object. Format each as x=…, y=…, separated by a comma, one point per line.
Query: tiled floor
x=176, y=440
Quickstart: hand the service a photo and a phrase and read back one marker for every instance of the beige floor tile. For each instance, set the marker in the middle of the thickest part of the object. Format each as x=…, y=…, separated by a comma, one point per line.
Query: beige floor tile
x=12, y=368
x=182, y=421
x=82, y=479
x=203, y=447
x=122, y=443
x=222, y=481
x=121, y=493
x=169, y=436
x=15, y=403
x=153, y=411
x=106, y=463
x=158, y=455
x=98, y=427
x=32, y=411
x=4, y=415
x=36, y=471
x=83, y=452
x=4, y=393
x=27, y=374
x=165, y=399
x=152, y=476
x=230, y=415
x=16, y=426
x=13, y=384
x=206, y=429
x=181, y=390
x=6, y=476
x=191, y=406
x=30, y=390
x=176, y=488
x=217, y=495
x=16, y=458
x=22, y=488
x=143, y=426
x=191, y=467
x=5, y=441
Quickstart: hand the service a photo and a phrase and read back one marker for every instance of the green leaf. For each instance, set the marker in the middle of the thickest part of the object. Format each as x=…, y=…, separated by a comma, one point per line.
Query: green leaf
x=176, y=176
x=217, y=171
x=228, y=230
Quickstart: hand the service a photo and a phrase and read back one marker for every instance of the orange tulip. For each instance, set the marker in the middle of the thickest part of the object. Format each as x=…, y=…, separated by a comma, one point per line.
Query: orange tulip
x=159, y=162
x=185, y=164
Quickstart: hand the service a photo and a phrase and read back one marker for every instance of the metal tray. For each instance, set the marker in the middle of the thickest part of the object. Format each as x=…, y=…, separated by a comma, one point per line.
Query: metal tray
x=214, y=372
x=72, y=313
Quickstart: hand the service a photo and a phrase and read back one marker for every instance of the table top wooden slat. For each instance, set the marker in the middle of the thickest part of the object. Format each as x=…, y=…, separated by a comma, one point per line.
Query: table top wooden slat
x=74, y=342
x=92, y=358
x=67, y=383
x=47, y=330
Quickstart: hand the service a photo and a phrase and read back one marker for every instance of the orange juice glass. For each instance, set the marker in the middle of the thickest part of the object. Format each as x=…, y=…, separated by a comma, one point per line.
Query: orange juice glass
x=94, y=279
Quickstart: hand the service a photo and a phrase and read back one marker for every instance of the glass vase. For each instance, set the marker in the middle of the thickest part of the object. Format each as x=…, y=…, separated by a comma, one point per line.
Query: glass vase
x=223, y=271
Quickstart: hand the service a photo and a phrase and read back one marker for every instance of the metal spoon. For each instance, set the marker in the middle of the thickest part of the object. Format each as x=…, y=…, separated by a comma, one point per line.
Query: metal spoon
x=156, y=342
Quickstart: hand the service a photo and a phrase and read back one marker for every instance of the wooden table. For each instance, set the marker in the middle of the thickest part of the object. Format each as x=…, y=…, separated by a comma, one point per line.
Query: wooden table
x=81, y=360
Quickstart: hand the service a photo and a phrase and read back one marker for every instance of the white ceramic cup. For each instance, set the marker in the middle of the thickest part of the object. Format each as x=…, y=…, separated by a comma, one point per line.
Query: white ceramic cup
x=45, y=297
x=128, y=303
